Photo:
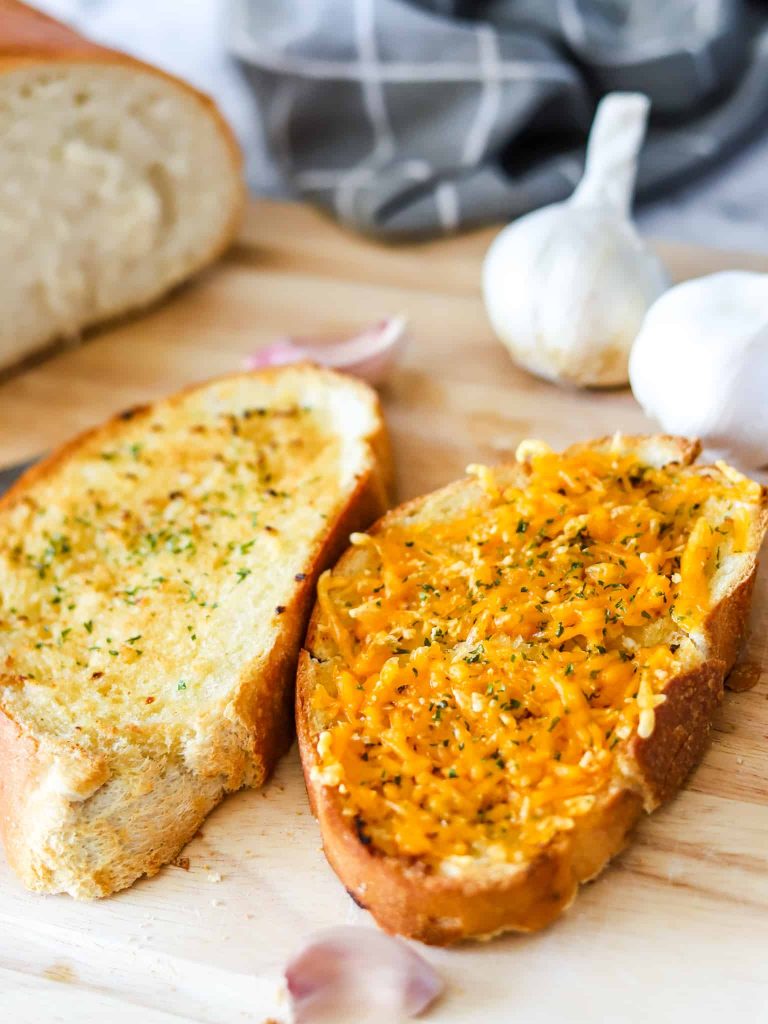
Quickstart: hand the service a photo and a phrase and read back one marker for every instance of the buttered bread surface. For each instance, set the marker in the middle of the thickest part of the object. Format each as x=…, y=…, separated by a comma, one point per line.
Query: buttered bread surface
x=155, y=578
x=125, y=574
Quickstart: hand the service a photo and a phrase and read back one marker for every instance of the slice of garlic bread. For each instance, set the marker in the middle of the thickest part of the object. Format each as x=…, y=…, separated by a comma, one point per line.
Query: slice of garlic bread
x=500, y=676
x=155, y=579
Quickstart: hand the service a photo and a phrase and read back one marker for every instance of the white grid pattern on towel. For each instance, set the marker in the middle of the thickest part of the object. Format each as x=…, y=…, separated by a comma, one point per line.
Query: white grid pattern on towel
x=447, y=202
x=244, y=44
x=375, y=107
x=490, y=99
x=373, y=75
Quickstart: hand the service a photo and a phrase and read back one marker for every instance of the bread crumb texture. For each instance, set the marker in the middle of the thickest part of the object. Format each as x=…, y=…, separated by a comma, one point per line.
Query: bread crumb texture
x=116, y=183
x=139, y=578
x=491, y=656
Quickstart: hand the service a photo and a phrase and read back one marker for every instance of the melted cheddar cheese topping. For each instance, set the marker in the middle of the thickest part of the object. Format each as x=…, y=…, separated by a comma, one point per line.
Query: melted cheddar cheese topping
x=492, y=665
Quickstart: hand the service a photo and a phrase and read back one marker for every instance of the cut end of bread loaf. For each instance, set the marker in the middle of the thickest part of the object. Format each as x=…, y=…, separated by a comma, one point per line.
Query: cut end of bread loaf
x=117, y=182
x=155, y=579
x=500, y=676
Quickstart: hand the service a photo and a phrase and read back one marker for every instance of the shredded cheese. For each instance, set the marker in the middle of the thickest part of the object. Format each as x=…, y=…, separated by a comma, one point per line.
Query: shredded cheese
x=492, y=665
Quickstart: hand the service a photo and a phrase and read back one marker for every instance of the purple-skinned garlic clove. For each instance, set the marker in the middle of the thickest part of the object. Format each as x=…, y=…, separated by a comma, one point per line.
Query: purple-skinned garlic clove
x=370, y=355
x=344, y=972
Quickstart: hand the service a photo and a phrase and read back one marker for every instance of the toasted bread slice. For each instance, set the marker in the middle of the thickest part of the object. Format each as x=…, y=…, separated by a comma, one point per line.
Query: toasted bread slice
x=500, y=676
x=155, y=579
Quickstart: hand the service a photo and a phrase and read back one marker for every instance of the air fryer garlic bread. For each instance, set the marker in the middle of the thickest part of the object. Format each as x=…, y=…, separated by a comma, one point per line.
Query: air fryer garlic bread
x=500, y=676
x=155, y=579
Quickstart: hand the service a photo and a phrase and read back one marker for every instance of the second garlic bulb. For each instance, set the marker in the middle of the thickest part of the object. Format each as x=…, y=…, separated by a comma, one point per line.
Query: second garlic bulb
x=700, y=364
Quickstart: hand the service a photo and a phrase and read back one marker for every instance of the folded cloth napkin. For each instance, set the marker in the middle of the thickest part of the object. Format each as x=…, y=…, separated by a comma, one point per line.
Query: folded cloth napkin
x=407, y=118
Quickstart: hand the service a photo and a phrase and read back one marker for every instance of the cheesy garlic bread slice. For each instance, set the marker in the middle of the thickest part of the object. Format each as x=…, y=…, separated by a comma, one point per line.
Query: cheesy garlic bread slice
x=501, y=675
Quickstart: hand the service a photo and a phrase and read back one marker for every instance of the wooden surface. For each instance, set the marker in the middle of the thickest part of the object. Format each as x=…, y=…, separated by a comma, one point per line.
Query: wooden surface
x=676, y=930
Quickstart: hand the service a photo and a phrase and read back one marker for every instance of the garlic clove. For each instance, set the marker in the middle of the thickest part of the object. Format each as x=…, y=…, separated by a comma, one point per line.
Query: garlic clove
x=343, y=969
x=370, y=355
x=566, y=287
x=699, y=364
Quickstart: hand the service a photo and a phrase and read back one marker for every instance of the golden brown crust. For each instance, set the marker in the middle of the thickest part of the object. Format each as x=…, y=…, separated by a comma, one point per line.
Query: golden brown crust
x=27, y=31
x=259, y=730
x=679, y=738
x=441, y=910
x=683, y=721
x=727, y=621
x=371, y=497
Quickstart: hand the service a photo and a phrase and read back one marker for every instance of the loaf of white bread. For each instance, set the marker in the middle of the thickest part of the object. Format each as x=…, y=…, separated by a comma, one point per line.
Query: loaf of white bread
x=117, y=181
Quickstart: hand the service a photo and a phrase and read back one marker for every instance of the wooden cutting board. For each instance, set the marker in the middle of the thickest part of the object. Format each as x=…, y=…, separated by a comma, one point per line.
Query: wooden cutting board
x=675, y=930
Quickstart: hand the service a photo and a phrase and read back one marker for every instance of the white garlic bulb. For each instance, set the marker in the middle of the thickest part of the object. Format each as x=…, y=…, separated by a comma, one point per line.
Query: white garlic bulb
x=700, y=364
x=566, y=287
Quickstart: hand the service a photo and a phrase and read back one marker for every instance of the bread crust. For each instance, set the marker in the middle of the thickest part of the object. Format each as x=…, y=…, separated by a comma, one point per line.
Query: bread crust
x=143, y=833
x=29, y=38
x=439, y=910
x=23, y=765
x=406, y=899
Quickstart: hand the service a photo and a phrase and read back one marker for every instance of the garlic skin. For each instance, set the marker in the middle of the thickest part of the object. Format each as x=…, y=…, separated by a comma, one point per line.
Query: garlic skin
x=566, y=287
x=700, y=364
x=370, y=354
x=352, y=974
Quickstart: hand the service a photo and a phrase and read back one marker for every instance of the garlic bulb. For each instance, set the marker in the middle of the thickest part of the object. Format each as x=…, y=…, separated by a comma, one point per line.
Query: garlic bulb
x=700, y=364
x=566, y=287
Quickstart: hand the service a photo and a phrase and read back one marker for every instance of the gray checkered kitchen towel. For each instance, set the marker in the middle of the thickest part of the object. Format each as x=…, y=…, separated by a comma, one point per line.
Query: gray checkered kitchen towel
x=406, y=118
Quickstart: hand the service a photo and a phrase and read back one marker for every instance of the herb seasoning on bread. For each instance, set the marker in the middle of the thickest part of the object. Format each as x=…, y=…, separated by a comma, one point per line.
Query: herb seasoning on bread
x=155, y=579
x=500, y=676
